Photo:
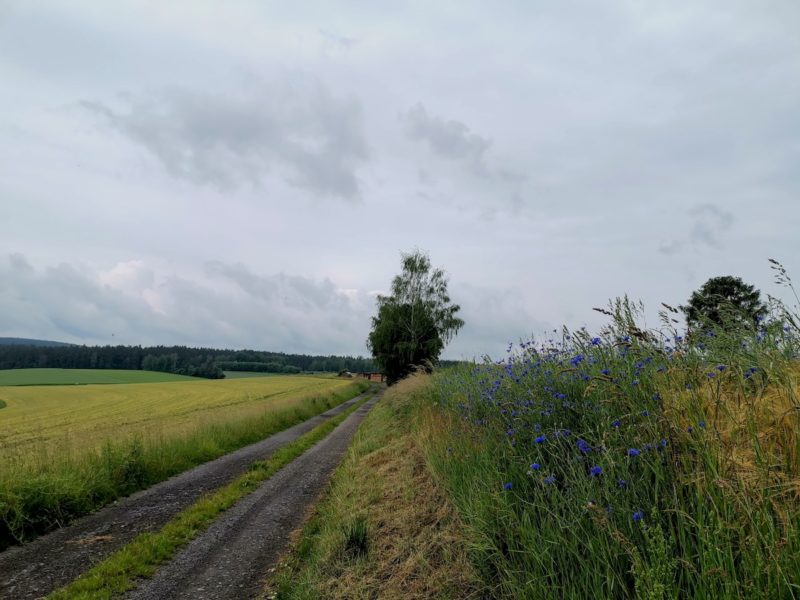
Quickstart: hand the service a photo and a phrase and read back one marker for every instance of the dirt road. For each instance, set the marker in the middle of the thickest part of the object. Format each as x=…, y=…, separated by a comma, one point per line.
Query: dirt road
x=230, y=559
x=51, y=561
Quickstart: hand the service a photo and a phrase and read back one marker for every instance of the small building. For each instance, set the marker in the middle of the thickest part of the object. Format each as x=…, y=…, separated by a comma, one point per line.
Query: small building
x=376, y=377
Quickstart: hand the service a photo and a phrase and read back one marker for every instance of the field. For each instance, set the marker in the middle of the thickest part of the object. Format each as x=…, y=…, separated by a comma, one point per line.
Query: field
x=67, y=450
x=248, y=374
x=41, y=420
x=84, y=376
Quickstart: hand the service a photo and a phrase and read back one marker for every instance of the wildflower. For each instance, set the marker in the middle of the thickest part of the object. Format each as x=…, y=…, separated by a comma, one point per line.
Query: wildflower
x=638, y=516
x=550, y=479
x=622, y=484
x=583, y=446
x=595, y=471
x=535, y=467
x=690, y=429
x=645, y=413
x=615, y=423
x=510, y=432
x=663, y=443
x=711, y=375
x=635, y=382
x=576, y=360
x=596, y=341
x=721, y=368
x=541, y=439
x=606, y=372
x=702, y=424
x=634, y=452
x=508, y=486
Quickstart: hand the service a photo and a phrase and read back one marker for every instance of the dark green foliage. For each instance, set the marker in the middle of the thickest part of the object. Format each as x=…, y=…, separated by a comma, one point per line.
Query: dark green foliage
x=356, y=540
x=415, y=321
x=724, y=301
x=181, y=360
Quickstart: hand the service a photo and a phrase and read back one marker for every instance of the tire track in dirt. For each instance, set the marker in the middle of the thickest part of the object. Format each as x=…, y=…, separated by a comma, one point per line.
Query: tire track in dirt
x=53, y=560
x=231, y=558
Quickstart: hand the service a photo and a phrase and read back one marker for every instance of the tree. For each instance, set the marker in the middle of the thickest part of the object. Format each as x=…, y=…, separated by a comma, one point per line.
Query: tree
x=414, y=322
x=725, y=301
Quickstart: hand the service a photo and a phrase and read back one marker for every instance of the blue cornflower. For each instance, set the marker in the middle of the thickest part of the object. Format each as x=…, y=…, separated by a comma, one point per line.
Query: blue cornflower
x=596, y=341
x=576, y=360
x=595, y=471
x=645, y=413
x=606, y=372
x=702, y=424
x=690, y=429
x=615, y=423
x=634, y=452
x=508, y=486
x=638, y=516
x=510, y=432
x=721, y=368
x=635, y=382
x=711, y=375
x=622, y=484
x=663, y=443
x=535, y=467
x=583, y=446
x=550, y=479
x=541, y=439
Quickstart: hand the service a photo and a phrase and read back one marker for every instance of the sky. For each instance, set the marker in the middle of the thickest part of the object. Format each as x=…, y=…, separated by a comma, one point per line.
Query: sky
x=247, y=174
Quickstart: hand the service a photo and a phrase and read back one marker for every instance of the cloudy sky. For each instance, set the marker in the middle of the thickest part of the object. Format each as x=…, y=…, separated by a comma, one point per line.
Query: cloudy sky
x=246, y=174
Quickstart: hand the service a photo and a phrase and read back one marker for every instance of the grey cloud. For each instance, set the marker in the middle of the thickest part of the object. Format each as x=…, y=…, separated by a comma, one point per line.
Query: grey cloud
x=291, y=290
x=448, y=139
x=337, y=39
x=311, y=138
x=281, y=312
x=708, y=222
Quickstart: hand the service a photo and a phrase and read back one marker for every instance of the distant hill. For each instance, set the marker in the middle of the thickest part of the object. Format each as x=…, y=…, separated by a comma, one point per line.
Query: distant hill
x=12, y=341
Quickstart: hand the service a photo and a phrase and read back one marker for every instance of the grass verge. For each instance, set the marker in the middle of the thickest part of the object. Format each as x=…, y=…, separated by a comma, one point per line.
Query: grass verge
x=384, y=528
x=634, y=464
x=36, y=499
x=143, y=555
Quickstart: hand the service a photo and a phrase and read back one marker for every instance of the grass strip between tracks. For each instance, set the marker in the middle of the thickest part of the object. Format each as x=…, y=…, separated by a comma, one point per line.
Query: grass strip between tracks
x=141, y=557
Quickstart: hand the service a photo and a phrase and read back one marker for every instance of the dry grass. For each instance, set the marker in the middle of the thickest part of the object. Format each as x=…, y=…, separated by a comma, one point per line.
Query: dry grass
x=414, y=541
x=758, y=434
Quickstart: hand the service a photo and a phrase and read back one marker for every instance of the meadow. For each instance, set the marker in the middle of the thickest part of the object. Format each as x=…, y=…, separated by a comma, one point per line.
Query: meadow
x=67, y=450
x=84, y=376
x=631, y=464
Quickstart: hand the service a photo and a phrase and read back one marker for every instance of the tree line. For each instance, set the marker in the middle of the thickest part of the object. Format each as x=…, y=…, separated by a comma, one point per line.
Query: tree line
x=181, y=360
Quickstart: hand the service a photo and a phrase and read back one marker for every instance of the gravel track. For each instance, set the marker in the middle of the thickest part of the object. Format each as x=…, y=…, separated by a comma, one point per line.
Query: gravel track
x=231, y=558
x=53, y=560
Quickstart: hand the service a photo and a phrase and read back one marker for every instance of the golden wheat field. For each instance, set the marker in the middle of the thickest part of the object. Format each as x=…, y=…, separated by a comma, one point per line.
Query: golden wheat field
x=69, y=418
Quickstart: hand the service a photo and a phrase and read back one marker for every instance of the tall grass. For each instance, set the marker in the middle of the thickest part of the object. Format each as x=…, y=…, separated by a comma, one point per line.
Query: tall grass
x=41, y=495
x=632, y=464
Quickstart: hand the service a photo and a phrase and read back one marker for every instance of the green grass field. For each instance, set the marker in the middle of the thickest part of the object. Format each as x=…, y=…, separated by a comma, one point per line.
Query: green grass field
x=84, y=376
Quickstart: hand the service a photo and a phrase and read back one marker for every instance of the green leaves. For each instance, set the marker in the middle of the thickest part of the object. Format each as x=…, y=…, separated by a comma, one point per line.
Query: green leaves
x=414, y=322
